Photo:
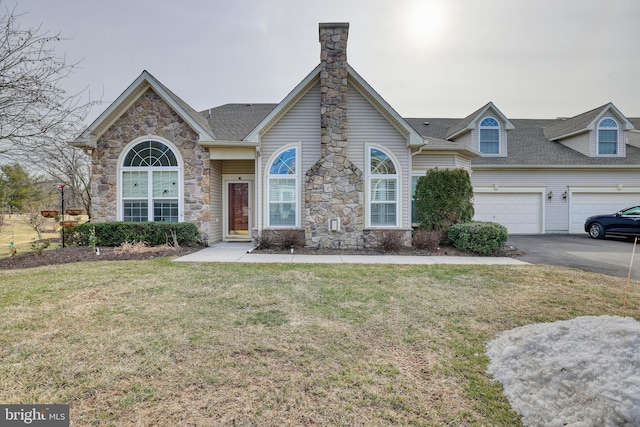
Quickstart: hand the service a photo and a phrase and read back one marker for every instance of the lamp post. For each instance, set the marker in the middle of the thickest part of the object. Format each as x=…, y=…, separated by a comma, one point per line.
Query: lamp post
x=62, y=209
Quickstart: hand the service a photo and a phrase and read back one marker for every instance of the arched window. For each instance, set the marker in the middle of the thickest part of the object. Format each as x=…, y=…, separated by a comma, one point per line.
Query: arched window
x=489, y=136
x=607, y=136
x=150, y=183
x=383, y=189
x=283, y=189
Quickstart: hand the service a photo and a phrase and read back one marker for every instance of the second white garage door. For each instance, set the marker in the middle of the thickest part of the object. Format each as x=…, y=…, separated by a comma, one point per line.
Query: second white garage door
x=584, y=205
x=521, y=213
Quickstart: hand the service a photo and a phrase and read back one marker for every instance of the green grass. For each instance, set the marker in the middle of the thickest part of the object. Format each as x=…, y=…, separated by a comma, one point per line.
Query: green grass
x=15, y=228
x=159, y=343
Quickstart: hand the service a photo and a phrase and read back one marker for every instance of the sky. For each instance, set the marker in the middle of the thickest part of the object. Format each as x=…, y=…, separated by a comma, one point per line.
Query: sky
x=426, y=58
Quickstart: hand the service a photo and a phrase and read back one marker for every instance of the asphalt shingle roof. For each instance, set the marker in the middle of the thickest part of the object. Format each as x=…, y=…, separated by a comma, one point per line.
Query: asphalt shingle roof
x=527, y=145
x=572, y=125
x=233, y=122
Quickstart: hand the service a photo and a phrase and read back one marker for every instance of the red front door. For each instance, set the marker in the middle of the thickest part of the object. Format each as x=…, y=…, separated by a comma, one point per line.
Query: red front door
x=238, y=209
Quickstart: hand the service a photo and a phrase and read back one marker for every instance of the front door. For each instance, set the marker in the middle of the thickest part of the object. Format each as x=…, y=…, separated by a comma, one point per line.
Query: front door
x=238, y=210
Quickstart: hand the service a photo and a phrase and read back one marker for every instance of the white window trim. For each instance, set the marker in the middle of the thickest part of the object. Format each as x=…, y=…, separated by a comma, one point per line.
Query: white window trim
x=480, y=128
x=296, y=176
x=180, y=169
x=617, y=128
x=369, y=177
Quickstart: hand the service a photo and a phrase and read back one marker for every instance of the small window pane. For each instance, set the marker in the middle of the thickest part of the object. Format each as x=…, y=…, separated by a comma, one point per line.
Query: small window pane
x=282, y=202
x=136, y=210
x=134, y=184
x=489, y=121
x=381, y=164
x=383, y=214
x=608, y=123
x=165, y=210
x=607, y=141
x=489, y=141
x=165, y=184
x=150, y=153
x=383, y=190
x=285, y=163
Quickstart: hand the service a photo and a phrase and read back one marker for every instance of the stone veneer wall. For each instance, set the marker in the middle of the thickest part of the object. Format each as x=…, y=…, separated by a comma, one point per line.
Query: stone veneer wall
x=151, y=116
x=334, y=187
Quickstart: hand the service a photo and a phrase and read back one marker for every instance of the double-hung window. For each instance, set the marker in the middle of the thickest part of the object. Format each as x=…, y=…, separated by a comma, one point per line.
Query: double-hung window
x=150, y=183
x=489, y=136
x=383, y=189
x=283, y=189
x=608, y=137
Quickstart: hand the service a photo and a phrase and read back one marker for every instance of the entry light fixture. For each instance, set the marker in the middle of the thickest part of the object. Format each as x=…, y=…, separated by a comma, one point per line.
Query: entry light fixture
x=550, y=195
x=564, y=196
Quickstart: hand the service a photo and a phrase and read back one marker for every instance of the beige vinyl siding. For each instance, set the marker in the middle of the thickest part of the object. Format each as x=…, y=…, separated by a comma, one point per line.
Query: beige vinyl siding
x=632, y=138
x=557, y=182
x=463, y=163
x=216, y=201
x=423, y=162
x=301, y=124
x=238, y=167
x=581, y=143
x=468, y=140
x=368, y=127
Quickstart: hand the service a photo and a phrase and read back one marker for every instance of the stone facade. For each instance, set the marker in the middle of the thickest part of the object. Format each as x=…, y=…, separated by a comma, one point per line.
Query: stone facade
x=150, y=116
x=334, y=187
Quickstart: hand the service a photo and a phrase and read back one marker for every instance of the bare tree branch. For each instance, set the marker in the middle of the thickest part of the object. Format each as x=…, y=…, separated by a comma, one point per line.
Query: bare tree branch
x=35, y=109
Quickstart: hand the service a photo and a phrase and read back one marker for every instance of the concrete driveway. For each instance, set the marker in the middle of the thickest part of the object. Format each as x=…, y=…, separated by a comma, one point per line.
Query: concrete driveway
x=609, y=256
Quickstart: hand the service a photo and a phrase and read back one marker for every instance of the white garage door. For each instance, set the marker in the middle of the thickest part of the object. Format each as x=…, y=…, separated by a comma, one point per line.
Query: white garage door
x=584, y=205
x=521, y=213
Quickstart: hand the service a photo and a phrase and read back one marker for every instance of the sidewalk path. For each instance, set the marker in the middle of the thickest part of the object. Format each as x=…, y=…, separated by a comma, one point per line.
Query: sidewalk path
x=241, y=252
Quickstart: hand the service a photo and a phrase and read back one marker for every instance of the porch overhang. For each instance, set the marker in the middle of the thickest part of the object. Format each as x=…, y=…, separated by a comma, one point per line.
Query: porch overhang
x=231, y=150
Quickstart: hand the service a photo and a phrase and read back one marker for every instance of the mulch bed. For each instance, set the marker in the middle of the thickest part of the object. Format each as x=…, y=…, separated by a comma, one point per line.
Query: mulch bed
x=84, y=254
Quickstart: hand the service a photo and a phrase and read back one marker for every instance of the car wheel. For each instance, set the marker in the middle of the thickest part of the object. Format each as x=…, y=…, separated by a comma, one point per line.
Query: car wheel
x=596, y=231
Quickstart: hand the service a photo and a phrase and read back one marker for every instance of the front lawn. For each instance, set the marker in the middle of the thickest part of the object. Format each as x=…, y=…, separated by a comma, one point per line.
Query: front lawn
x=157, y=343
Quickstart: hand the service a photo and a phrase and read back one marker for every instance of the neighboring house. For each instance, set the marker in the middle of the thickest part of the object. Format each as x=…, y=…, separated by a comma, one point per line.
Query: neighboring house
x=337, y=162
x=547, y=176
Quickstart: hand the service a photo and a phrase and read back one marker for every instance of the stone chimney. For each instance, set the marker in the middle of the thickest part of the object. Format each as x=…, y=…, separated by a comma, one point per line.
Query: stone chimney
x=334, y=187
x=333, y=88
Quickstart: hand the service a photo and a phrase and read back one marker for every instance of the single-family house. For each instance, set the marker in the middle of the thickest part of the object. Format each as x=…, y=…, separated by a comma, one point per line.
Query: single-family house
x=334, y=160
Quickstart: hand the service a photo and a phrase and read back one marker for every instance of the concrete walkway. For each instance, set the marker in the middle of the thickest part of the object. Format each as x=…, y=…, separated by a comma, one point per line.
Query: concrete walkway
x=241, y=252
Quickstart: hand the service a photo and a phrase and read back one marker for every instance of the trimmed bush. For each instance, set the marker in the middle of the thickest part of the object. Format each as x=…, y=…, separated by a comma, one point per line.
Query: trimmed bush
x=116, y=233
x=443, y=198
x=483, y=238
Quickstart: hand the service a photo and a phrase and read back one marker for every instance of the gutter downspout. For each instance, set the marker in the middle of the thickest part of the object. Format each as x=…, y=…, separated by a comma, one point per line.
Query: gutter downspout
x=422, y=147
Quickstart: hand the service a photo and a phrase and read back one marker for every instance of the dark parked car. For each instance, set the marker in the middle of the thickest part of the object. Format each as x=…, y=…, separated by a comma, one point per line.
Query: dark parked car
x=623, y=223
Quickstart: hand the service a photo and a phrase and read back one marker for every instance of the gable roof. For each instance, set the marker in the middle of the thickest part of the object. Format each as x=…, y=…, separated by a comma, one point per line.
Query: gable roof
x=583, y=123
x=145, y=80
x=413, y=137
x=469, y=123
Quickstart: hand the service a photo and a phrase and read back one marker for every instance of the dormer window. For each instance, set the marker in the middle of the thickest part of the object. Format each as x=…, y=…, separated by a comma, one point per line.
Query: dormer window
x=608, y=137
x=489, y=136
